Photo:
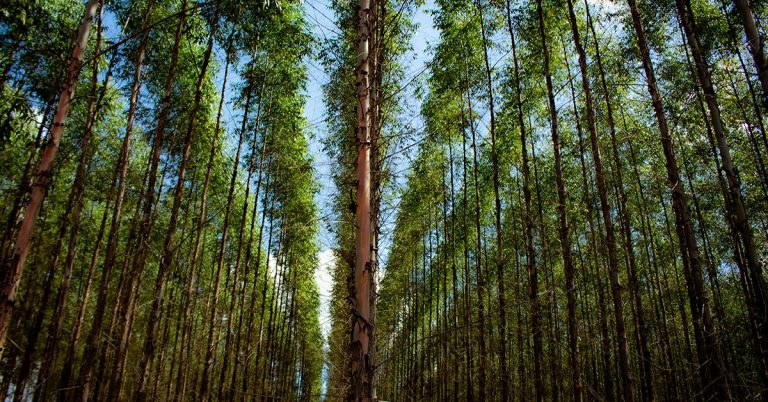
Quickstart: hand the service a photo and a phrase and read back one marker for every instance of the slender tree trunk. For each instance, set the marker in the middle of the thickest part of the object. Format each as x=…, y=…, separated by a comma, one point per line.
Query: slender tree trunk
x=210, y=351
x=594, y=243
x=14, y=266
x=361, y=368
x=652, y=261
x=275, y=293
x=378, y=30
x=641, y=327
x=265, y=208
x=241, y=233
x=251, y=308
x=738, y=210
x=168, y=246
x=454, y=278
x=479, y=273
x=70, y=220
x=467, y=276
x=146, y=222
x=602, y=190
x=717, y=168
x=46, y=390
x=565, y=242
x=74, y=207
x=755, y=42
x=505, y=378
x=181, y=377
x=688, y=245
x=532, y=273
x=120, y=174
x=265, y=279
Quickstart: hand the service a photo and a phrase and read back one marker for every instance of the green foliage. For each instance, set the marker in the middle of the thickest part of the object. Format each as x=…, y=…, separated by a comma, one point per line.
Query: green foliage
x=274, y=304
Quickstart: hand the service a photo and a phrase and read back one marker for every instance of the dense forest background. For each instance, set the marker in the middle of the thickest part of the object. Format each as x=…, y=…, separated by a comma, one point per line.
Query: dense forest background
x=514, y=200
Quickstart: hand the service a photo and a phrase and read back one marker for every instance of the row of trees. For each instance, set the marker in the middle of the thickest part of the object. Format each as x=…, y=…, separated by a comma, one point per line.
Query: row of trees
x=585, y=215
x=158, y=202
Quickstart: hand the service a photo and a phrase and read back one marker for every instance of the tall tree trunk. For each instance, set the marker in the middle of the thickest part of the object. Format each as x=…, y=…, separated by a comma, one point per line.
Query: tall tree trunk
x=168, y=246
x=146, y=221
x=755, y=42
x=478, y=252
x=378, y=30
x=265, y=279
x=70, y=220
x=734, y=201
x=275, y=293
x=456, y=370
x=565, y=242
x=238, y=259
x=181, y=377
x=467, y=275
x=738, y=210
x=700, y=309
x=210, y=351
x=719, y=173
x=593, y=241
x=119, y=176
x=532, y=273
x=14, y=266
x=641, y=329
x=46, y=390
x=254, y=214
x=265, y=209
x=361, y=361
x=652, y=263
x=602, y=190
x=500, y=263
x=75, y=207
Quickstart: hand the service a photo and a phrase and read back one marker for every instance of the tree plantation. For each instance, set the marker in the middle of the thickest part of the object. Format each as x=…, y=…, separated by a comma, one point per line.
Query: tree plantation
x=383, y=200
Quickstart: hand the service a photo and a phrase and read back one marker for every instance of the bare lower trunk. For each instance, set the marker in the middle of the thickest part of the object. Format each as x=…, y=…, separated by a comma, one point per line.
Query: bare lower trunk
x=146, y=222
x=532, y=273
x=500, y=276
x=186, y=324
x=741, y=221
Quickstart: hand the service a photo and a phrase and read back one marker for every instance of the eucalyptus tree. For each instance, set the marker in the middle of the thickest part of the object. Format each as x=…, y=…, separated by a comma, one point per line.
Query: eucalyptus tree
x=463, y=79
x=14, y=264
x=159, y=167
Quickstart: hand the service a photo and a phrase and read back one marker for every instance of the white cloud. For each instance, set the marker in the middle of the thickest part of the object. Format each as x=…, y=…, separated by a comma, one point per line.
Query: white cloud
x=324, y=281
